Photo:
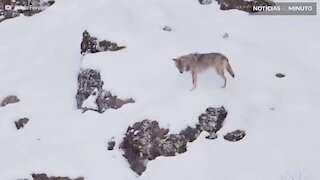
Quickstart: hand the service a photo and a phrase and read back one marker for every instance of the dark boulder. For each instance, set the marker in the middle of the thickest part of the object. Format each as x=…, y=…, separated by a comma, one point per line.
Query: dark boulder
x=106, y=100
x=167, y=28
x=212, y=120
x=9, y=100
x=88, y=81
x=280, y=75
x=235, y=135
x=145, y=140
x=205, y=2
x=21, y=123
x=191, y=134
x=45, y=177
x=91, y=44
x=111, y=144
x=90, y=87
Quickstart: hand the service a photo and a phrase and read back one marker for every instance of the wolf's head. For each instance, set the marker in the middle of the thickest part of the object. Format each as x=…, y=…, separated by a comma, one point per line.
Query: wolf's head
x=183, y=63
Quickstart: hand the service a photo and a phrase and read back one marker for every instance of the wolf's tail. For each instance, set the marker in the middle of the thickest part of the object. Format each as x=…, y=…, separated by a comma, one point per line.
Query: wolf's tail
x=229, y=69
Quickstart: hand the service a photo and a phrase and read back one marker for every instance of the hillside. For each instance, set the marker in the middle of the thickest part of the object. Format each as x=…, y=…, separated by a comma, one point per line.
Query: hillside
x=41, y=60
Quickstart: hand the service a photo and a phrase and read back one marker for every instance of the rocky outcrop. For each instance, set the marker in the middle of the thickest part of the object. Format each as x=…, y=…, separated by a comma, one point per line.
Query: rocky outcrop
x=91, y=44
x=167, y=28
x=45, y=177
x=88, y=81
x=235, y=135
x=145, y=140
x=280, y=75
x=225, y=35
x=9, y=100
x=92, y=96
x=191, y=134
x=106, y=101
x=111, y=144
x=21, y=123
x=205, y=2
x=212, y=120
x=13, y=8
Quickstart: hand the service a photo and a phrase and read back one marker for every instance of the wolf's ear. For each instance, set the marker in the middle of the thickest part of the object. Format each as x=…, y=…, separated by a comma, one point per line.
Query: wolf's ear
x=175, y=60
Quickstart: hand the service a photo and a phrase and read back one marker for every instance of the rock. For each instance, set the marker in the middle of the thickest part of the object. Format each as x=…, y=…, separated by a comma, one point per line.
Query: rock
x=88, y=44
x=90, y=88
x=191, y=134
x=45, y=177
x=205, y=2
x=145, y=140
x=88, y=81
x=111, y=144
x=93, y=45
x=235, y=135
x=13, y=8
x=9, y=100
x=225, y=36
x=212, y=120
x=40, y=177
x=279, y=75
x=106, y=101
x=243, y=5
x=109, y=46
x=21, y=123
x=167, y=28
x=173, y=145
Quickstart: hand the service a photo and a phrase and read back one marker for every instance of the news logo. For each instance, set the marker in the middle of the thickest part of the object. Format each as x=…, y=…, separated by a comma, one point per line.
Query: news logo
x=281, y=8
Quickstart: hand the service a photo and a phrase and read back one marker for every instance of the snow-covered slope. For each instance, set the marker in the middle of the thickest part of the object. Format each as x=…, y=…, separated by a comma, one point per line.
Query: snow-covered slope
x=40, y=58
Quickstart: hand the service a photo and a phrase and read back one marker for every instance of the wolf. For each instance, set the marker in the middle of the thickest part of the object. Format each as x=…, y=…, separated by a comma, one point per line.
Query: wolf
x=199, y=62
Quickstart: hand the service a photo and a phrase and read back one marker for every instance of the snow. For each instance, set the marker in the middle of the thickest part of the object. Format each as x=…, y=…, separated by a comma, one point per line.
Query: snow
x=40, y=59
x=90, y=102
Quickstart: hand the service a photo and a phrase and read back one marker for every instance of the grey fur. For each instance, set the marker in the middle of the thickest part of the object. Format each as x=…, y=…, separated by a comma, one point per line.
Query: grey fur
x=197, y=63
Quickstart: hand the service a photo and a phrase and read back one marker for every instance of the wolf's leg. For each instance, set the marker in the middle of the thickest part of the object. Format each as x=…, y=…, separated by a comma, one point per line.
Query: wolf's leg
x=220, y=72
x=194, y=81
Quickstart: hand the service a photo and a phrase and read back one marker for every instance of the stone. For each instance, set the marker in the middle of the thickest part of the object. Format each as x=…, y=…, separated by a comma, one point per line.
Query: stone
x=90, y=87
x=91, y=44
x=225, y=36
x=146, y=140
x=212, y=120
x=190, y=133
x=9, y=100
x=280, y=75
x=205, y=2
x=111, y=144
x=21, y=123
x=167, y=28
x=45, y=177
x=235, y=135
x=88, y=81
